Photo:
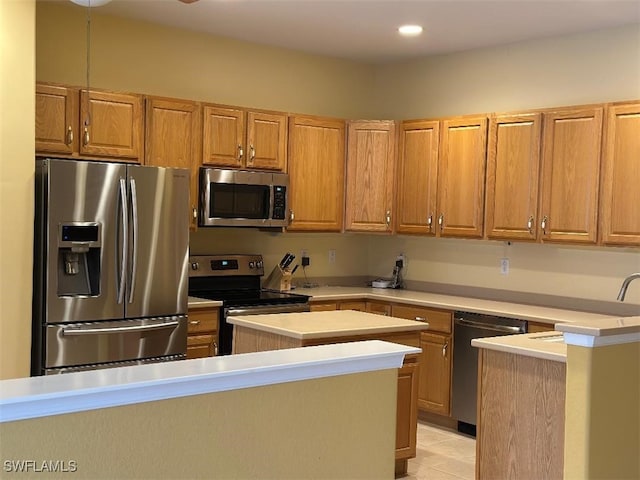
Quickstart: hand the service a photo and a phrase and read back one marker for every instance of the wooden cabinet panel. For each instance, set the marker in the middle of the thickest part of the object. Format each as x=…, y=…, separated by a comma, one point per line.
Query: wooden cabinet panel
x=620, y=205
x=534, y=327
x=316, y=173
x=461, y=175
x=201, y=346
x=370, y=176
x=115, y=126
x=56, y=119
x=438, y=320
x=202, y=332
x=407, y=412
x=434, y=390
x=266, y=140
x=417, y=177
x=223, y=137
x=513, y=165
x=381, y=308
x=570, y=174
x=172, y=139
x=323, y=306
x=349, y=305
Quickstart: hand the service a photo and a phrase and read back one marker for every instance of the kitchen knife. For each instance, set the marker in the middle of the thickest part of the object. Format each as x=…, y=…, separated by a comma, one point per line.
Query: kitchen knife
x=284, y=260
x=295, y=268
x=289, y=261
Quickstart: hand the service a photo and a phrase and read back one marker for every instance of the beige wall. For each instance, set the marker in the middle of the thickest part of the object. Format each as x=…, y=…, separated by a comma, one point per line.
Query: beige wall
x=602, y=415
x=290, y=430
x=17, y=82
x=141, y=57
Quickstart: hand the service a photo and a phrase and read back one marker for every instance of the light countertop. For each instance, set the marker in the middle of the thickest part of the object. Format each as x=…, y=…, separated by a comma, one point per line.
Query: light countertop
x=195, y=302
x=338, y=323
x=34, y=397
x=544, y=345
x=450, y=302
x=604, y=327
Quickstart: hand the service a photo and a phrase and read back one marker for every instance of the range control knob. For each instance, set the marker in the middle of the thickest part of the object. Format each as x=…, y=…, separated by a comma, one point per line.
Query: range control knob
x=195, y=265
x=252, y=265
x=259, y=264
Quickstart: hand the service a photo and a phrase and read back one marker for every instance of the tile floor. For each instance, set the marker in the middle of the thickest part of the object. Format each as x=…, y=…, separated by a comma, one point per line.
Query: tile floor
x=442, y=455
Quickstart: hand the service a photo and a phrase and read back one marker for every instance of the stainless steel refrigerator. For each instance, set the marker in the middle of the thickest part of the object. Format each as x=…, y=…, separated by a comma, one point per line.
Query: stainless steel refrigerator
x=110, y=265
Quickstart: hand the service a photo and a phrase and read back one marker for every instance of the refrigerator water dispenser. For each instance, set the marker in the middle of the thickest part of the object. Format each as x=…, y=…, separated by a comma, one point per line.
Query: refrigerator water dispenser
x=79, y=245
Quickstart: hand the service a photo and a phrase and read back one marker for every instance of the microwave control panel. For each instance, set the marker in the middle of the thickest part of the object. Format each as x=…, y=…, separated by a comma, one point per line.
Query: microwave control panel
x=279, y=202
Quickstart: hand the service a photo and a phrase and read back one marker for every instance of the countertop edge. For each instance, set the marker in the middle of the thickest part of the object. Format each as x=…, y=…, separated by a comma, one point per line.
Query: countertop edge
x=527, y=345
x=35, y=397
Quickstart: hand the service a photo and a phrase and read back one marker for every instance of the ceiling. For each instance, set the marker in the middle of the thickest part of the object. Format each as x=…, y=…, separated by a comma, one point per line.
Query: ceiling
x=365, y=30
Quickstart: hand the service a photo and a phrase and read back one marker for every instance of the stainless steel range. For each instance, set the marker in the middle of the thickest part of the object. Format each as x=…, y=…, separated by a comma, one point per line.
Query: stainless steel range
x=235, y=280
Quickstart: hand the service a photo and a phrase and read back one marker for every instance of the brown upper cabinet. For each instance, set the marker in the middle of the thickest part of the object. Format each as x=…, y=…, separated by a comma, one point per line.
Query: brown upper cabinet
x=238, y=138
x=620, y=203
x=90, y=124
x=513, y=168
x=570, y=175
x=316, y=173
x=417, y=177
x=461, y=175
x=173, y=139
x=370, y=176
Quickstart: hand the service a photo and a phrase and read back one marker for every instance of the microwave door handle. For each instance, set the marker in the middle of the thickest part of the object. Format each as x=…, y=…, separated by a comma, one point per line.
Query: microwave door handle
x=134, y=262
x=125, y=239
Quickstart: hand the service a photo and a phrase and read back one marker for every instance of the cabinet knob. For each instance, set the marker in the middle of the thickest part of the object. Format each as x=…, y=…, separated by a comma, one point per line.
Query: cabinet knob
x=194, y=212
x=430, y=221
x=543, y=224
x=441, y=221
x=240, y=152
x=252, y=153
x=85, y=137
x=421, y=319
x=194, y=322
x=291, y=215
x=388, y=218
x=215, y=349
x=530, y=224
x=444, y=350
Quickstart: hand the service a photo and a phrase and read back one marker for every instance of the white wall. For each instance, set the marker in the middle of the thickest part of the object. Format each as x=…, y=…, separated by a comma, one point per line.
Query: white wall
x=17, y=120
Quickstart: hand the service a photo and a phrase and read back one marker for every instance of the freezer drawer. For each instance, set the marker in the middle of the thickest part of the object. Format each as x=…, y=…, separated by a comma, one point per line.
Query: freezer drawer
x=114, y=341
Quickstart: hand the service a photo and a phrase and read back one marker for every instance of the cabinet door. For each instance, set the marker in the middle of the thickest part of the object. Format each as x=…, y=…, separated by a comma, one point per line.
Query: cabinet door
x=358, y=306
x=266, y=141
x=513, y=166
x=407, y=410
x=461, y=173
x=323, y=306
x=172, y=139
x=201, y=346
x=115, y=125
x=379, y=308
x=620, y=205
x=223, y=137
x=570, y=174
x=417, y=177
x=370, y=176
x=316, y=173
x=56, y=119
x=435, y=373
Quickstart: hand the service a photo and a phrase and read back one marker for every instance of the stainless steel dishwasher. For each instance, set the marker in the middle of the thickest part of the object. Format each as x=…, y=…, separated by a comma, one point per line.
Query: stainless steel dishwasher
x=466, y=327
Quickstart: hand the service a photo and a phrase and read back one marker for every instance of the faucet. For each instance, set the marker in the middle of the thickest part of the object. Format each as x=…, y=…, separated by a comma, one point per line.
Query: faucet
x=625, y=285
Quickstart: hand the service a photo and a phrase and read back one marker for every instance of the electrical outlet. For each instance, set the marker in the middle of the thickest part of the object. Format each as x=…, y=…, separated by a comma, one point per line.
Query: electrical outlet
x=305, y=261
x=504, y=266
x=332, y=256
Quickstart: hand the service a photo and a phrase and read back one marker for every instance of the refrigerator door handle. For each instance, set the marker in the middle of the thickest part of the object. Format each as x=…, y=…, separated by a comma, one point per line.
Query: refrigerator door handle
x=134, y=261
x=134, y=328
x=125, y=237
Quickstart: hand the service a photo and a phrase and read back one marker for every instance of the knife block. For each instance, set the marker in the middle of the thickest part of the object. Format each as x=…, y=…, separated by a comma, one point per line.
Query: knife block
x=278, y=279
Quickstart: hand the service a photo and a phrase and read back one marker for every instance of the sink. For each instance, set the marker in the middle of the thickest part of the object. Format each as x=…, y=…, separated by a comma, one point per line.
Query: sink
x=557, y=338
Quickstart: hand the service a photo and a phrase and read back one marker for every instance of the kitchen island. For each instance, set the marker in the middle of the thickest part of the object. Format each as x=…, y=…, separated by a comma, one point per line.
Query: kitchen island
x=255, y=333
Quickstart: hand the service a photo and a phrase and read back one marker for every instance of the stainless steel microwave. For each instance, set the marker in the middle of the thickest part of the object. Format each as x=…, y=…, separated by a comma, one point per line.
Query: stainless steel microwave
x=243, y=198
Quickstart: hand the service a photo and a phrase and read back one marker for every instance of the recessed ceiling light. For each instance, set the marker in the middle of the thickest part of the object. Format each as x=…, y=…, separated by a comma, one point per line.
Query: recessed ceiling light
x=410, y=30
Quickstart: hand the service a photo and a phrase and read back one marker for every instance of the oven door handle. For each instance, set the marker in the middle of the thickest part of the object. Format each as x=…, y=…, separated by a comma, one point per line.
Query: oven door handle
x=266, y=309
x=135, y=328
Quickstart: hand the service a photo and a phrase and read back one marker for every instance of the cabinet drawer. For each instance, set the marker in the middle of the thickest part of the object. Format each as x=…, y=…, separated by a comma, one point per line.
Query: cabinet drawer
x=203, y=320
x=438, y=320
x=323, y=306
x=200, y=346
x=379, y=308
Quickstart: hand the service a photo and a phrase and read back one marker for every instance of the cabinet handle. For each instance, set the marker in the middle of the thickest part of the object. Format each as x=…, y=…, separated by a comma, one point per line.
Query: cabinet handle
x=240, y=152
x=444, y=350
x=430, y=221
x=388, y=218
x=543, y=225
x=441, y=221
x=291, y=215
x=252, y=153
x=194, y=212
x=420, y=319
x=215, y=349
x=69, y=135
x=194, y=322
x=85, y=137
x=530, y=224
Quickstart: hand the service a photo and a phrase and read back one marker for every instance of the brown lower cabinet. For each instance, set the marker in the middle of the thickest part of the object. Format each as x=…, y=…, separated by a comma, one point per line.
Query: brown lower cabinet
x=202, y=332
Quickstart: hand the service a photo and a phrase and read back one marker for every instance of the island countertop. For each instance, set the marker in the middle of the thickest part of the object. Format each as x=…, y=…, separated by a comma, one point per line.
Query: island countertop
x=315, y=325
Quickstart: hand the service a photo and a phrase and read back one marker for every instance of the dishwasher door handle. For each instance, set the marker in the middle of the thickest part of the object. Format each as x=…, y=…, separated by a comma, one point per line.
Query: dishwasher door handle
x=488, y=326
